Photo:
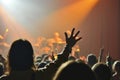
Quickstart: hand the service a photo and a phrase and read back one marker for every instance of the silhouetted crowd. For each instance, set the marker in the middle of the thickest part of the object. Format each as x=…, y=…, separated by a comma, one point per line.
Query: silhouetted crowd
x=21, y=64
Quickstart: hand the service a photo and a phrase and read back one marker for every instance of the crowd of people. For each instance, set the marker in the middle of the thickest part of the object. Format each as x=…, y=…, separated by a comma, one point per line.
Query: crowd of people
x=21, y=63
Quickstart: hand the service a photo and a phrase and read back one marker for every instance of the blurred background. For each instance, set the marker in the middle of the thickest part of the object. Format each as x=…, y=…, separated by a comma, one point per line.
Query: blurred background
x=43, y=23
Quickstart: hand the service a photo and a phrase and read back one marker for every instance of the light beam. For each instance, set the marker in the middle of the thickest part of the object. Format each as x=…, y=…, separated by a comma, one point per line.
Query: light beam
x=7, y=2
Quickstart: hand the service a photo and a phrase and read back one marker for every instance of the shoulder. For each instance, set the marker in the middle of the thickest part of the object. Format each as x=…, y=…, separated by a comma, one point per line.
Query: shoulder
x=4, y=77
x=115, y=77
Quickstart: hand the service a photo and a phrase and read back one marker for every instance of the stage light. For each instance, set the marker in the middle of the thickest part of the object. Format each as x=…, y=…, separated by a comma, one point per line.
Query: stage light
x=7, y=2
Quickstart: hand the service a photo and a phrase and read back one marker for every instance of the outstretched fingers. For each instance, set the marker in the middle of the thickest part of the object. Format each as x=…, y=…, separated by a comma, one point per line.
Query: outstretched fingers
x=78, y=38
x=77, y=34
x=72, y=32
x=66, y=36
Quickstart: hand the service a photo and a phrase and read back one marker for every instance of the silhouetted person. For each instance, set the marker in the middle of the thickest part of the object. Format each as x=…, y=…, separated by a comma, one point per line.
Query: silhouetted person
x=21, y=60
x=74, y=70
x=116, y=69
x=102, y=71
x=109, y=61
x=91, y=60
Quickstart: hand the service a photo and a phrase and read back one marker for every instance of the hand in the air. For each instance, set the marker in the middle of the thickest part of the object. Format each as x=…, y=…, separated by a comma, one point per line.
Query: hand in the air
x=73, y=39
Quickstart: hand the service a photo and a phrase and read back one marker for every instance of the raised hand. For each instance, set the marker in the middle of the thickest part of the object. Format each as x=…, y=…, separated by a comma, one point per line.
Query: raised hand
x=101, y=54
x=109, y=61
x=73, y=39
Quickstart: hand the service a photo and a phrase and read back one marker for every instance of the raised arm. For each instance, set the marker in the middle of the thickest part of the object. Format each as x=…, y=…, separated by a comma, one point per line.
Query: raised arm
x=63, y=57
x=109, y=61
x=100, y=54
x=70, y=42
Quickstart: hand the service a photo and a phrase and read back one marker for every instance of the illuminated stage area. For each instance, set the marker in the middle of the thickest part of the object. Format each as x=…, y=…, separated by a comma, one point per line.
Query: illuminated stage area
x=43, y=23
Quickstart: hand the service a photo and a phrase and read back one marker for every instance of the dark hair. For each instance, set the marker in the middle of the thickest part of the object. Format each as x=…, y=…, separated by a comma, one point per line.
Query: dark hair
x=91, y=60
x=102, y=71
x=116, y=66
x=20, y=56
x=74, y=70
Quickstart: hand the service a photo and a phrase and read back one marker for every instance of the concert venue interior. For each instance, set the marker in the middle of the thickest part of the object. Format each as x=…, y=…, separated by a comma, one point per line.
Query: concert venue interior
x=43, y=23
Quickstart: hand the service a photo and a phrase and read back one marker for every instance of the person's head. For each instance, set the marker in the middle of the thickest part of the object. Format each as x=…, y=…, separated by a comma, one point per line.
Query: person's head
x=116, y=66
x=91, y=60
x=20, y=56
x=74, y=70
x=102, y=71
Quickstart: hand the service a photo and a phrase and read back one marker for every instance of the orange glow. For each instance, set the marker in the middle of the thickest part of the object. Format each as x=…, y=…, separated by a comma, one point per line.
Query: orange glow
x=60, y=20
x=71, y=15
x=1, y=37
x=83, y=58
x=6, y=30
x=78, y=50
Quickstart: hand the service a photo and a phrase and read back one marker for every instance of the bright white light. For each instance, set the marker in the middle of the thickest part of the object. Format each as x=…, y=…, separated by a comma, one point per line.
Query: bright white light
x=7, y=2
